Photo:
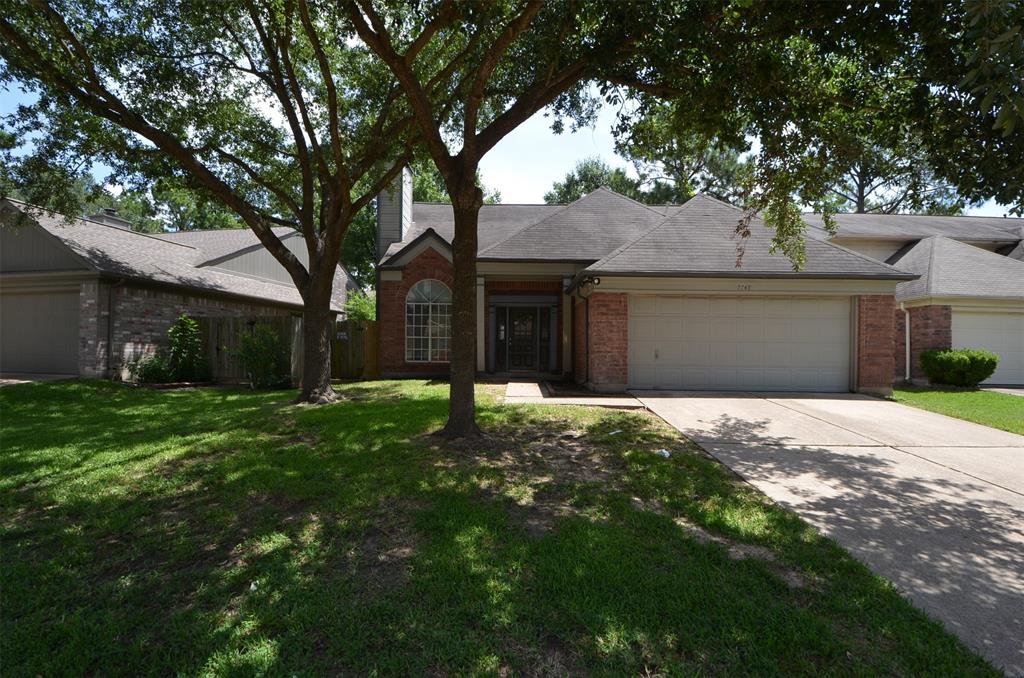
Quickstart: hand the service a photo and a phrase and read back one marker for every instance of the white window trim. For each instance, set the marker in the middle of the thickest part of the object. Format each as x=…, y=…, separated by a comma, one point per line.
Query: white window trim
x=430, y=306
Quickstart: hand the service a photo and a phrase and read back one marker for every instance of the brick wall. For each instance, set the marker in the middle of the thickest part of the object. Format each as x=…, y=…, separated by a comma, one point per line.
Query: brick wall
x=875, y=343
x=609, y=341
x=141, y=317
x=391, y=307
x=931, y=327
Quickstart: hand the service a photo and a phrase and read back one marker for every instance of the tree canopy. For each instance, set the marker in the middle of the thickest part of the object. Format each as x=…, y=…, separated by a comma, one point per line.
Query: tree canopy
x=271, y=110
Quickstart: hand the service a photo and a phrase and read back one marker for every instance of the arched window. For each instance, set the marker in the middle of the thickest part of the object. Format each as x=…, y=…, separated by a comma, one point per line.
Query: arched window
x=428, y=322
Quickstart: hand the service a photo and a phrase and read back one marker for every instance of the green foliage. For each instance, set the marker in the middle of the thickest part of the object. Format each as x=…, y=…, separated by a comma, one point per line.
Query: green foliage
x=182, y=360
x=589, y=175
x=958, y=367
x=151, y=369
x=263, y=357
x=185, y=351
x=361, y=305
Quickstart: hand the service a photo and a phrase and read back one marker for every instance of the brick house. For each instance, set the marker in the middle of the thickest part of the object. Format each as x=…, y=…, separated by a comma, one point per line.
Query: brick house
x=615, y=294
x=87, y=296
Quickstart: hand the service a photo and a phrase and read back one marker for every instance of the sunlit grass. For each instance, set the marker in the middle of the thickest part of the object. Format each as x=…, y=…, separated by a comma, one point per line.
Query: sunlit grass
x=998, y=410
x=219, y=532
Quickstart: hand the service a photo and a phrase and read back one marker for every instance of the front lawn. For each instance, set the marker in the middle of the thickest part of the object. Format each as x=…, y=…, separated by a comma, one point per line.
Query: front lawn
x=218, y=532
x=998, y=410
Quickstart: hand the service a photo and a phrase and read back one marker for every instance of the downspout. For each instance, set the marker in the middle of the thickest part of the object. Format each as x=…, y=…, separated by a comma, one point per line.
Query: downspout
x=906, y=342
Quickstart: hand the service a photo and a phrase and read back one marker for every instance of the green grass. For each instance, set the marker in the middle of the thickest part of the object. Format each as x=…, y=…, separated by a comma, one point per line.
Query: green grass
x=221, y=533
x=998, y=410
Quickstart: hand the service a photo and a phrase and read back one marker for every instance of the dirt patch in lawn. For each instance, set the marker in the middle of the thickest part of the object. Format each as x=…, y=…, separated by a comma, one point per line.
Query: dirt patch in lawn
x=538, y=471
x=382, y=554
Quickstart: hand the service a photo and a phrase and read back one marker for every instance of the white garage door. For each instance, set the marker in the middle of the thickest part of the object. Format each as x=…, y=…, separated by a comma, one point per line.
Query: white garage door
x=1001, y=333
x=739, y=343
x=39, y=333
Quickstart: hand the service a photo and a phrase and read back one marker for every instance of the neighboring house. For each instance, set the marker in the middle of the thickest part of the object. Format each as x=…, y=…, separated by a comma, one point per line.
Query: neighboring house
x=86, y=296
x=622, y=295
x=971, y=287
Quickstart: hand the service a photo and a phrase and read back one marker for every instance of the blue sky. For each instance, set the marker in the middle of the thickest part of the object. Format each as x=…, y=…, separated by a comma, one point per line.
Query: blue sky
x=525, y=164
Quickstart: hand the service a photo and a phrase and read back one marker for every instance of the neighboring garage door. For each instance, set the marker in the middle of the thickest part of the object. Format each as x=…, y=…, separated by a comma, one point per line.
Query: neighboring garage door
x=739, y=343
x=39, y=333
x=999, y=332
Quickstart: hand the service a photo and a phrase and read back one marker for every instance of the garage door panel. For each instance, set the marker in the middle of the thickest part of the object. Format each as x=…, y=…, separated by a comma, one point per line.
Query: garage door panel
x=999, y=332
x=742, y=343
x=39, y=332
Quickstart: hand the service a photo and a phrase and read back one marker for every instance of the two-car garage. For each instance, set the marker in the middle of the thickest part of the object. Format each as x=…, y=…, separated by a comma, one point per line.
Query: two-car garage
x=740, y=343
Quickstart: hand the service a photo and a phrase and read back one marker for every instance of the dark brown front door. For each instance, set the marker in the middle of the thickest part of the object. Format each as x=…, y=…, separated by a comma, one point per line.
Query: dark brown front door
x=522, y=347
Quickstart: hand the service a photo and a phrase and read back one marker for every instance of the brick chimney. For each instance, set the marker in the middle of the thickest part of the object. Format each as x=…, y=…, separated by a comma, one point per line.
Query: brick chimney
x=394, y=212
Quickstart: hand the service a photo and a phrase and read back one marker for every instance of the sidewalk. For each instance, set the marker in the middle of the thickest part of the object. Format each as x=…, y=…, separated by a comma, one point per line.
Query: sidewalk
x=534, y=393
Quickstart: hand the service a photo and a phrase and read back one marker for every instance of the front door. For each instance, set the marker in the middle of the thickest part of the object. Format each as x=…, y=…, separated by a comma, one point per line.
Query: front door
x=522, y=347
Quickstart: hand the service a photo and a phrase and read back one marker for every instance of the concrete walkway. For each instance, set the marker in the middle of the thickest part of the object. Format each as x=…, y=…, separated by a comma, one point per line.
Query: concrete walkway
x=535, y=393
x=934, y=504
x=11, y=378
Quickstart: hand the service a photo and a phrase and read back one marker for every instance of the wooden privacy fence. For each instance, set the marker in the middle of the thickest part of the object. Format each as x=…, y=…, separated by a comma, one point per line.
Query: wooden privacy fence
x=354, y=351
x=222, y=338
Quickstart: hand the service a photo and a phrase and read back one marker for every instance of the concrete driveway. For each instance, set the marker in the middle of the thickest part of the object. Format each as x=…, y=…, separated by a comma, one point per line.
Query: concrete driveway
x=934, y=504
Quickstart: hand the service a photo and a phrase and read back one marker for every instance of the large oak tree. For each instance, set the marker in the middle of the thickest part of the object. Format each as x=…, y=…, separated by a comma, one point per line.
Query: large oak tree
x=269, y=108
x=790, y=74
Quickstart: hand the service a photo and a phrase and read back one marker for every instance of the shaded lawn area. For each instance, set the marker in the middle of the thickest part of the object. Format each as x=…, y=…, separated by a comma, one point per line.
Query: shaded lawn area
x=218, y=532
x=998, y=410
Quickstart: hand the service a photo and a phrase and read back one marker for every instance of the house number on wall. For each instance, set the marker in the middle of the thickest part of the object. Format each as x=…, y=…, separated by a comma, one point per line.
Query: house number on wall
x=743, y=287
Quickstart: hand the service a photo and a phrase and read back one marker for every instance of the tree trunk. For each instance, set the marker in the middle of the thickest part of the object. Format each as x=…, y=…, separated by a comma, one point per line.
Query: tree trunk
x=317, y=334
x=462, y=400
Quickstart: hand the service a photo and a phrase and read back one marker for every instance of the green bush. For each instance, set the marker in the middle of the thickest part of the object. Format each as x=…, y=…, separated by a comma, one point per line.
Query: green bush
x=185, y=352
x=182, y=360
x=264, y=358
x=151, y=369
x=360, y=306
x=959, y=367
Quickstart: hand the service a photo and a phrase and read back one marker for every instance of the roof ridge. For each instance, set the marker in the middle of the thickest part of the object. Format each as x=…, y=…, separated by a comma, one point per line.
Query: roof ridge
x=51, y=213
x=531, y=226
x=622, y=195
x=626, y=246
x=929, y=216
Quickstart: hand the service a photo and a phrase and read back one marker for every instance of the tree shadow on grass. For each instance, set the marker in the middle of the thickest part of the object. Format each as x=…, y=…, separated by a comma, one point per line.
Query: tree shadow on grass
x=337, y=540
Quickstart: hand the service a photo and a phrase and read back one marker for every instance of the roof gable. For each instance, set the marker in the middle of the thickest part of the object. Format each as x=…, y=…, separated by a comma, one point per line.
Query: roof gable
x=585, y=230
x=409, y=251
x=701, y=239
x=954, y=269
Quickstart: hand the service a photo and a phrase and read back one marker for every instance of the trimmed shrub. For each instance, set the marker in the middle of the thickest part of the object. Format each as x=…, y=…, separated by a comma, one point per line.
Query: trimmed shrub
x=959, y=367
x=151, y=369
x=185, y=352
x=263, y=357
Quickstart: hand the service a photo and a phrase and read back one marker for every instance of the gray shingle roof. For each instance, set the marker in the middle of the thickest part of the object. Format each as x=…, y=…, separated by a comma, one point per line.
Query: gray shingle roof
x=219, y=242
x=129, y=254
x=954, y=269
x=700, y=239
x=496, y=222
x=916, y=227
x=585, y=230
